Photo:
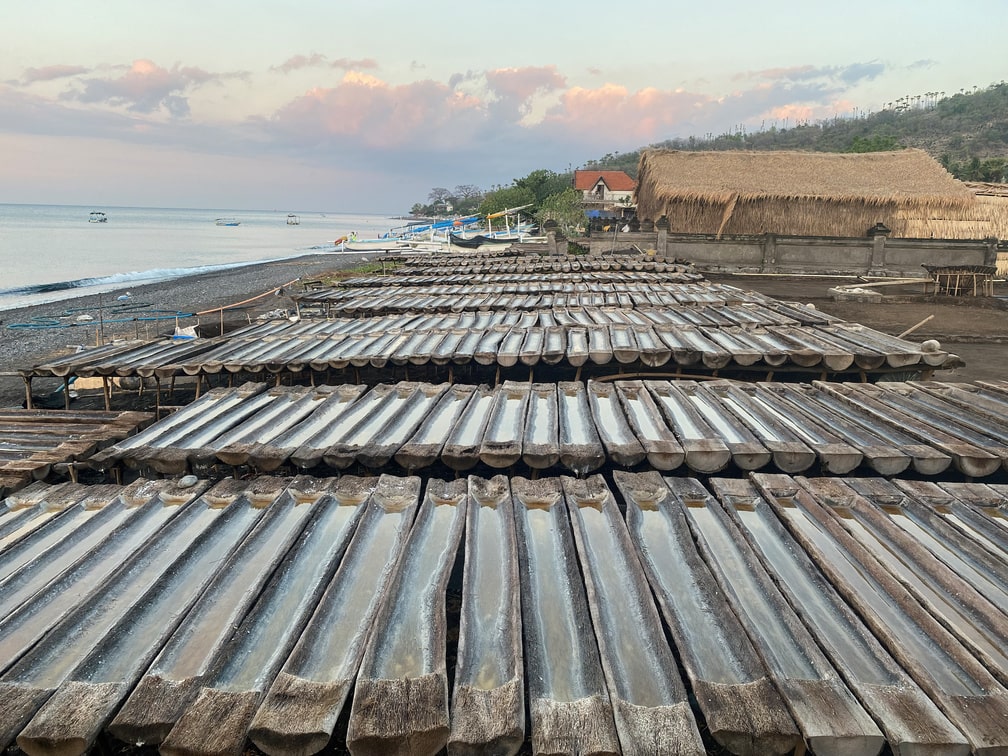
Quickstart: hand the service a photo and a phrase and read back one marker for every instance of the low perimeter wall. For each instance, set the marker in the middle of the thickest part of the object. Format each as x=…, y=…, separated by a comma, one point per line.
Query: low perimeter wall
x=876, y=256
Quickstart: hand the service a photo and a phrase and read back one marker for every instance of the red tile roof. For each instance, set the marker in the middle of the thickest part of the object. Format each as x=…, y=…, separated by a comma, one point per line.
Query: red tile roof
x=617, y=181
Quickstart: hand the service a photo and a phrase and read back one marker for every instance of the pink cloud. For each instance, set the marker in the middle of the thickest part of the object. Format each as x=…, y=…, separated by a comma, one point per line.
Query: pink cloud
x=48, y=73
x=643, y=116
x=300, y=61
x=349, y=64
x=316, y=60
x=795, y=113
x=371, y=112
x=517, y=86
x=147, y=87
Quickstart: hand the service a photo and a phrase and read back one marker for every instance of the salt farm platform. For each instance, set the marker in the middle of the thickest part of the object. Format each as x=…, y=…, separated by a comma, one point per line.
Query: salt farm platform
x=544, y=503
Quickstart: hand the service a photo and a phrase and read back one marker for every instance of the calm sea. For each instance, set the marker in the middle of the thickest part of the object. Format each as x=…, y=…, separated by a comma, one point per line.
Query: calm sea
x=52, y=252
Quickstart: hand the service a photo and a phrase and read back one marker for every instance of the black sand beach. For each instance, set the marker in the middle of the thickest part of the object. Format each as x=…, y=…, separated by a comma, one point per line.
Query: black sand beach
x=24, y=347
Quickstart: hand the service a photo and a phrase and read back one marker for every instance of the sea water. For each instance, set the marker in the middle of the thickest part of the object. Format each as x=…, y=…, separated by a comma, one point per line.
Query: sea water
x=53, y=252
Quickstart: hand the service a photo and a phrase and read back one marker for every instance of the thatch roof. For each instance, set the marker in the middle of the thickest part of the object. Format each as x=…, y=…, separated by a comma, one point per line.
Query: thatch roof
x=987, y=189
x=805, y=193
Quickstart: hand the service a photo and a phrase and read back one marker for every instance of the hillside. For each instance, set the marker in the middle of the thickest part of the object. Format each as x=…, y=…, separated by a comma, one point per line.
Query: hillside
x=966, y=131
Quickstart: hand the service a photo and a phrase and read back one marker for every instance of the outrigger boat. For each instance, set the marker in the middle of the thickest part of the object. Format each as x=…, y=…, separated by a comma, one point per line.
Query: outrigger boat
x=227, y=222
x=97, y=216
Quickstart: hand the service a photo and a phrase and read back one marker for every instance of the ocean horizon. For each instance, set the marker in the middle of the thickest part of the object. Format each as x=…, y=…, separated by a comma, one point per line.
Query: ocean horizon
x=50, y=253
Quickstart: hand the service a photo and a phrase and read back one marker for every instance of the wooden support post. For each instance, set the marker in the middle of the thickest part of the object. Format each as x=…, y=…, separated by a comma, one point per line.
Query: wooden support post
x=107, y=391
x=66, y=392
x=28, y=397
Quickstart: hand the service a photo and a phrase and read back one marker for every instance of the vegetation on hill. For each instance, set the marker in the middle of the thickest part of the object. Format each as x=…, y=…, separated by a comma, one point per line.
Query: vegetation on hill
x=966, y=131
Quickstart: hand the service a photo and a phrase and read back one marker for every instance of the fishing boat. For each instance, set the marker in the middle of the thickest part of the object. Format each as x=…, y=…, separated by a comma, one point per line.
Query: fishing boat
x=479, y=240
x=293, y=220
x=409, y=235
x=227, y=222
x=97, y=216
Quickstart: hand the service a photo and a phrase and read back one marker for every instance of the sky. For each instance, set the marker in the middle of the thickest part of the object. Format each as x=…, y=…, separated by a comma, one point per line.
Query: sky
x=346, y=106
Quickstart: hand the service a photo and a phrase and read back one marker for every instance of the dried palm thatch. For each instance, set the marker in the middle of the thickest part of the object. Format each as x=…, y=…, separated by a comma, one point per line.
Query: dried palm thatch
x=987, y=188
x=806, y=194
x=986, y=219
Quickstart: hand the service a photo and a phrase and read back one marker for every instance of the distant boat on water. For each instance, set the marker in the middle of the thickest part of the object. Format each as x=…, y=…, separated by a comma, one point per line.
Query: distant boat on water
x=97, y=216
x=293, y=220
x=227, y=222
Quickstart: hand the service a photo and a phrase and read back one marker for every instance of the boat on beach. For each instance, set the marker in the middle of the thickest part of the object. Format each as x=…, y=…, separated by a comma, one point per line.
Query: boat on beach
x=293, y=220
x=371, y=245
x=97, y=216
x=474, y=242
x=227, y=222
x=407, y=236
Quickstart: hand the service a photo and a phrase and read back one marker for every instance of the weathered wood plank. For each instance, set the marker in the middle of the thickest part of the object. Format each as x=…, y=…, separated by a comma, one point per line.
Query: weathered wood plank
x=830, y=718
x=100, y=683
x=301, y=707
x=650, y=704
x=742, y=708
x=568, y=702
x=218, y=720
x=174, y=677
x=400, y=702
x=85, y=624
x=909, y=719
x=966, y=691
x=488, y=700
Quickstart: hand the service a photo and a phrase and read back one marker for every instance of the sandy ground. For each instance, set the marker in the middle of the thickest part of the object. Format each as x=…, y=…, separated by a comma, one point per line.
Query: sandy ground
x=975, y=329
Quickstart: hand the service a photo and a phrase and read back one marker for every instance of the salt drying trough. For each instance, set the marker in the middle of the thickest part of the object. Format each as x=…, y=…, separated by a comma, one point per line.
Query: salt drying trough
x=714, y=331
x=513, y=502
x=928, y=429
x=36, y=443
x=848, y=613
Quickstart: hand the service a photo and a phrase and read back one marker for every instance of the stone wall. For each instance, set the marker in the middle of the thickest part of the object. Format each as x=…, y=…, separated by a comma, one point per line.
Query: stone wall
x=878, y=256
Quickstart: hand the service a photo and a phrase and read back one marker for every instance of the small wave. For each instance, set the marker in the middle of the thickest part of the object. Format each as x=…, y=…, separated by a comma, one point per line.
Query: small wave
x=123, y=279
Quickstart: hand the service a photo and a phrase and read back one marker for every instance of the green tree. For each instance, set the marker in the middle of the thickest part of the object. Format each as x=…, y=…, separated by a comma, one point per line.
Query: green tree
x=504, y=198
x=874, y=143
x=543, y=183
x=565, y=208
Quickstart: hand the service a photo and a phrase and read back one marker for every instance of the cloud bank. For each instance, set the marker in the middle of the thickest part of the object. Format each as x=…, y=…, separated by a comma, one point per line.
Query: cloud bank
x=482, y=127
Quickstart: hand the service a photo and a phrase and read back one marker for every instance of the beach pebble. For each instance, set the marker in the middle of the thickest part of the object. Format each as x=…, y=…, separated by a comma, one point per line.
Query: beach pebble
x=188, y=481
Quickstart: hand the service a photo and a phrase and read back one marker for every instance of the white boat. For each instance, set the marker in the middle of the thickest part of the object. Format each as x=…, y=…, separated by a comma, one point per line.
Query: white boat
x=293, y=220
x=227, y=222
x=371, y=245
x=97, y=216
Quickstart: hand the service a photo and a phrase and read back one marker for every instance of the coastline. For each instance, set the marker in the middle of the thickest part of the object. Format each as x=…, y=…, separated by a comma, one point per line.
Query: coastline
x=23, y=347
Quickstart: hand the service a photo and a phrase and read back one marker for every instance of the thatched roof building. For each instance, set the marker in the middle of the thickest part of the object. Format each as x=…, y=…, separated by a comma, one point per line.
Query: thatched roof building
x=809, y=194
